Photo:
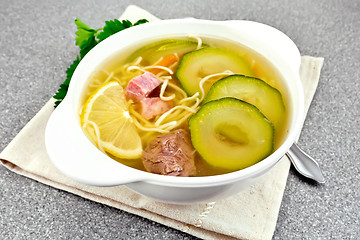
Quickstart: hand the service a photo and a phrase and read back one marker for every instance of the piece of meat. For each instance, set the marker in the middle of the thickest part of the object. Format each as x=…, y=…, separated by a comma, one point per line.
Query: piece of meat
x=142, y=86
x=170, y=154
x=151, y=107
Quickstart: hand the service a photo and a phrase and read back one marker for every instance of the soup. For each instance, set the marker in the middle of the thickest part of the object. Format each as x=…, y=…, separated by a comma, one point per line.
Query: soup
x=227, y=101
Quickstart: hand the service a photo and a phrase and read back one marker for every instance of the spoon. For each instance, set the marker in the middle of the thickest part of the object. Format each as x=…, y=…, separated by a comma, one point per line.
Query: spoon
x=305, y=164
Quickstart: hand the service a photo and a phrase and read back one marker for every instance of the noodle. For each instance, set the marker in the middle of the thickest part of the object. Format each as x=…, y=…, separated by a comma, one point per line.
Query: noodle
x=109, y=77
x=164, y=115
x=122, y=83
x=131, y=68
x=97, y=141
x=158, y=61
x=201, y=84
x=198, y=40
x=165, y=77
x=160, y=67
x=170, y=125
x=195, y=96
x=138, y=125
x=139, y=116
x=175, y=87
x=138, y=61
x=162, y=90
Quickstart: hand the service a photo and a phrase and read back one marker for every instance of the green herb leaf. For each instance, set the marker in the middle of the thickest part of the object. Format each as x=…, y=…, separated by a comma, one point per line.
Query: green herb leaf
x=70, y=70
x=141, y=21
x=61, y=93
x=110, y=28
x=87, y=46
x=87, y=38
x=83, y=33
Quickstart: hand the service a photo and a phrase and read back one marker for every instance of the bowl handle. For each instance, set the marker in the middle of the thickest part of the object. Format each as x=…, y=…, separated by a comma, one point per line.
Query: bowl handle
x=76, y=157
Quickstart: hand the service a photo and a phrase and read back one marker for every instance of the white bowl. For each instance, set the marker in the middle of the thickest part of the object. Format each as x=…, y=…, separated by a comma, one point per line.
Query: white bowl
x=75, y=156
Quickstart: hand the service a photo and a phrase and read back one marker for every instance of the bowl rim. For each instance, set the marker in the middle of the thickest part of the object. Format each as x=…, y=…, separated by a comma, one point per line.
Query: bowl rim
x=257, y=169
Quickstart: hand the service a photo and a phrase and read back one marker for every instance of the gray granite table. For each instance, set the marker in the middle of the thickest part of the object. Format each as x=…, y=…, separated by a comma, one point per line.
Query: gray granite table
x=37, y=45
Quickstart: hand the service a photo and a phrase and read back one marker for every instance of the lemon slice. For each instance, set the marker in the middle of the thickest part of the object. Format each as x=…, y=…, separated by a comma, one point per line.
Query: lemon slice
x=106, y=119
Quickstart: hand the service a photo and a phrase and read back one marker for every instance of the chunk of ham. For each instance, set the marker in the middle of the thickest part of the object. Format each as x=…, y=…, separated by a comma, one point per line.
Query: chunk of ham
x=170, y=154
x=144, y=90
x=151, y=107
x=142, y=86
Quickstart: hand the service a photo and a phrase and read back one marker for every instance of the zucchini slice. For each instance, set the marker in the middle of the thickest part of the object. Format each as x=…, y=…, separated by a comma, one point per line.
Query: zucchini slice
x=254, y=91
x=152, y=52
x=206, y=61
x=231, y=134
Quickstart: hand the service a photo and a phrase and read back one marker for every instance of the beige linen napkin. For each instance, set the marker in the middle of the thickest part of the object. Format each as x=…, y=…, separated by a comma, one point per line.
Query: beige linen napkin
x=250, y=214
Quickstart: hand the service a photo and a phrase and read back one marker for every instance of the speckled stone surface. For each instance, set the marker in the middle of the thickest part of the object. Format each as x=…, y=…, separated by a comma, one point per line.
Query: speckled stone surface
x=37, y=45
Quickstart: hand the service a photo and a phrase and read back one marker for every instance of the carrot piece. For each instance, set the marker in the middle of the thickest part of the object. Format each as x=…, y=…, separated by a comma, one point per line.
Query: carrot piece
x=165, y=62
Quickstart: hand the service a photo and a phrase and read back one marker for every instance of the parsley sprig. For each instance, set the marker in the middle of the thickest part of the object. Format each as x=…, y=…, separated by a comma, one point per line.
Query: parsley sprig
x=87, y=38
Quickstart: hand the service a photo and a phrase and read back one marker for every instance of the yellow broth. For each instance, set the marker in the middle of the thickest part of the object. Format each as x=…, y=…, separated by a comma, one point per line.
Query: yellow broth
x=113, y=69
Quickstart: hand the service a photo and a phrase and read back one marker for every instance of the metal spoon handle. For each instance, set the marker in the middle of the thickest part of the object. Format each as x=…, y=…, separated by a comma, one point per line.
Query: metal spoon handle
x=305, y=164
